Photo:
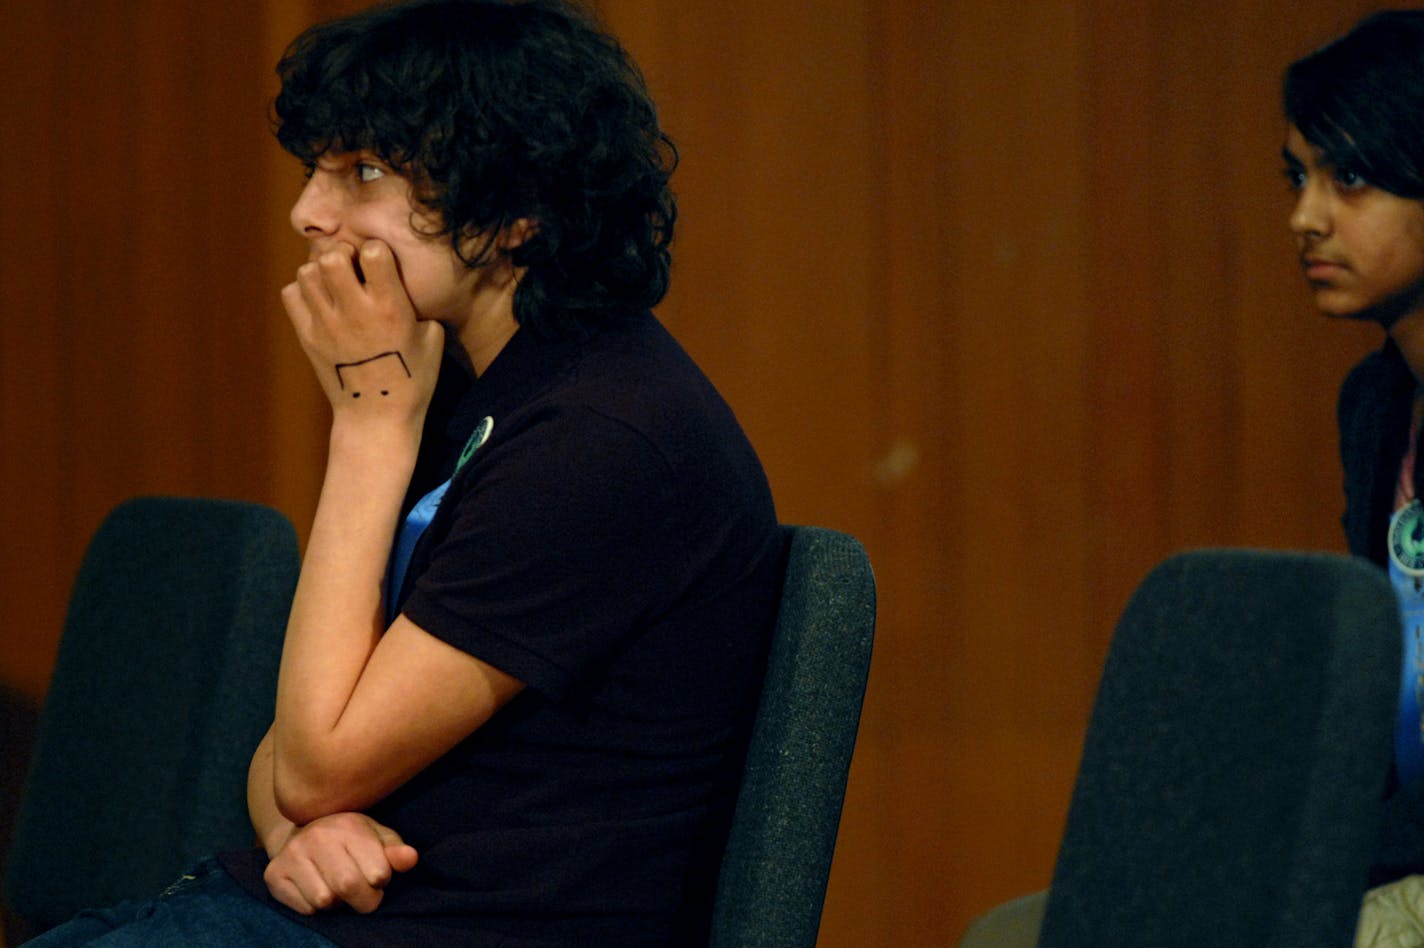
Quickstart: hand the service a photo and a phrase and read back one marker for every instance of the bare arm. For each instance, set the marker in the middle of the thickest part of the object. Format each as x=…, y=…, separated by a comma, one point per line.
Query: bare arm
x=343, y=858
x=273, y=829
x=361, y=709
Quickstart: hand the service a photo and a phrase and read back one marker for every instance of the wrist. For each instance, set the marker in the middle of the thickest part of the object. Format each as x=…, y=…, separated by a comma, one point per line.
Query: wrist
x=275, y=838
x=382, y=441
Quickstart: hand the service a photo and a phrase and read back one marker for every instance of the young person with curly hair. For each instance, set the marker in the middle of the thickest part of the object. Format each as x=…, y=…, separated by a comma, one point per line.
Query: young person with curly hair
x=531, y=620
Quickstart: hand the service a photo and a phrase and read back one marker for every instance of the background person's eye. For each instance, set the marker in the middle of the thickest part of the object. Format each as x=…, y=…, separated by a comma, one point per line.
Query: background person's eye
x=1295, y=178
x=1350, y=180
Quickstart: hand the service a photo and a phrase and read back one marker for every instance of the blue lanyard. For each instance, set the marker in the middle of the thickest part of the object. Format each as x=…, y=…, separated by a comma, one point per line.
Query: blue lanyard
x=415, y=523
x=419, y=519
x=1406, y=571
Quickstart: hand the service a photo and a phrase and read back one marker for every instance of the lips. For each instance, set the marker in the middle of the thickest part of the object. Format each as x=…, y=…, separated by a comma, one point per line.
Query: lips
x=1321, y=268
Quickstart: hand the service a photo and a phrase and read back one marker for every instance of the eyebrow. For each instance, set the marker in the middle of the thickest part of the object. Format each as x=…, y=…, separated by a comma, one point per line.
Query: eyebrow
x=1323, y=160
x=1317, y=154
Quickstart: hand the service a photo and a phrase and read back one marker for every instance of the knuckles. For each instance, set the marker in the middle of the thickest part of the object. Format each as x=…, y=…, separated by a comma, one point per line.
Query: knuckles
x=338, y=879
x=334, y=260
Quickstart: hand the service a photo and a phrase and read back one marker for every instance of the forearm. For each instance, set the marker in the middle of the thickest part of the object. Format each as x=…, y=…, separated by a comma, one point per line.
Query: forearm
x=342, y=858
x=336, y=619
x=273, y=829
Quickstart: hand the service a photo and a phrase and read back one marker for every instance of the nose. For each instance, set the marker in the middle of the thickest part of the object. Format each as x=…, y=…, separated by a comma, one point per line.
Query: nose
x=1311, y=215
x=317, y=210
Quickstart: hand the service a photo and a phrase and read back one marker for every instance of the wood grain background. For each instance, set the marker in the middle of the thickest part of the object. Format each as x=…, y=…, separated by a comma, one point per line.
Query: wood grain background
x=1005, y=290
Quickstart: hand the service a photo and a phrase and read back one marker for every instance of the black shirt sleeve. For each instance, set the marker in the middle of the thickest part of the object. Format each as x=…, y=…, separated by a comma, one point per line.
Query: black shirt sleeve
x=561, y=542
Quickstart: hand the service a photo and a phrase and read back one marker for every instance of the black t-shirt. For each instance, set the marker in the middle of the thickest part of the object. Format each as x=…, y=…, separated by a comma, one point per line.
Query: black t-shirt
x=614, y=546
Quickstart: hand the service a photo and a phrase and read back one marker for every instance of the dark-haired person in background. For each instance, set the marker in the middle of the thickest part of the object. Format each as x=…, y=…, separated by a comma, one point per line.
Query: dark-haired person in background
x=532, y=615
x=1354, y=155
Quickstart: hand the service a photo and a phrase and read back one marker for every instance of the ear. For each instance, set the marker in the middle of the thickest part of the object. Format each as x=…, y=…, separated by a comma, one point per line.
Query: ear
x=517, y=233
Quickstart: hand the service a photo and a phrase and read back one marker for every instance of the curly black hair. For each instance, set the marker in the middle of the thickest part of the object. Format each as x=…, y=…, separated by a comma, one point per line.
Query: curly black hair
x=1360, y=99
x=498, y=111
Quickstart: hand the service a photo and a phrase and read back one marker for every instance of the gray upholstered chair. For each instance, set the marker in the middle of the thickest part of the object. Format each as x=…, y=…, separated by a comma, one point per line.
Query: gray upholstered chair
x=164, y=683
x=778, y=859
x=181, y=604
x=1230, y=781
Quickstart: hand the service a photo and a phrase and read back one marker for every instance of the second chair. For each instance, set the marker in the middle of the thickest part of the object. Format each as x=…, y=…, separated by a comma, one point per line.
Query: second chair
x=164, y=684
x=1230, y=781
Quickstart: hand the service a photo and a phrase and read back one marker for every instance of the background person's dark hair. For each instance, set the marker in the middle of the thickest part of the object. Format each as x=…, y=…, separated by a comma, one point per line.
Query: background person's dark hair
x=500, y=111
x=1360, y=99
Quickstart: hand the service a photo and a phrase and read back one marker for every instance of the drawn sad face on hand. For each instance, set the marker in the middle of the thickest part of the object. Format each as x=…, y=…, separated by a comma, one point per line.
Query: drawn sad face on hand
x=373, y=377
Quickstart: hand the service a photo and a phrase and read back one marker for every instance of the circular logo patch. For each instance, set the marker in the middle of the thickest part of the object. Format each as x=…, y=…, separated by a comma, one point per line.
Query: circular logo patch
x=1406, y=538
x=477, y=437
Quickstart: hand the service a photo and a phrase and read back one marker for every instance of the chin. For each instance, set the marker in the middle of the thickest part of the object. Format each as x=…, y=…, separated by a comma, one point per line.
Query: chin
x=1337, y=305
x=1351, y=315
x=1381, y=314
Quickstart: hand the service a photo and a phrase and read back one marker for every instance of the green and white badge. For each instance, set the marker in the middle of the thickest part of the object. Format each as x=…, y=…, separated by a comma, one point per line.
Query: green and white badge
x=1406, y=538
x=476, y=441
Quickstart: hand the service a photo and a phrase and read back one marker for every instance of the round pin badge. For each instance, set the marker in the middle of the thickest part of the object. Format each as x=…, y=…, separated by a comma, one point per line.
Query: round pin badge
x=1406, y=538
x=477, y=438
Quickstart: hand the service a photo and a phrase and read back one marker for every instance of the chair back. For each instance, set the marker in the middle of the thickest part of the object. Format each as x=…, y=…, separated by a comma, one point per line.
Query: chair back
x=778, y=858
x=1235, y=758
x=163, y=686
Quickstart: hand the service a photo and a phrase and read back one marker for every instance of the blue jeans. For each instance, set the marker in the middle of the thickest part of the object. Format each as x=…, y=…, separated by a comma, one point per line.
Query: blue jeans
x=204, y=909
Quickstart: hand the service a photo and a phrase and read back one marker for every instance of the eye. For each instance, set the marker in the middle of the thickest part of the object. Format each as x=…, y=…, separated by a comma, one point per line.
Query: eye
x=367, y=172
x=308, y=169
x=1348, y=180
x=1295, y=178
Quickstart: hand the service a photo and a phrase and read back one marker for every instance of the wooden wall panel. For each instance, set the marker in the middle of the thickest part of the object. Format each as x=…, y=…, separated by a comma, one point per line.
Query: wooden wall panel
x=298, y=415
x=997, y=727
x=34, y=519
x=136, y=306
x=772, y=267
x=1005, y=291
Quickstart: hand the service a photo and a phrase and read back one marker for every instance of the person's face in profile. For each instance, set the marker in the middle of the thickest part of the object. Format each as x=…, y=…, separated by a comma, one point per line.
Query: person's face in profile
x=351, y=198
x=1361, y=247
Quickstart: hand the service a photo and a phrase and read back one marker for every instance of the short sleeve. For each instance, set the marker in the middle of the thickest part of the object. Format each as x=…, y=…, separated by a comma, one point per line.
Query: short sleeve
x=562, y=542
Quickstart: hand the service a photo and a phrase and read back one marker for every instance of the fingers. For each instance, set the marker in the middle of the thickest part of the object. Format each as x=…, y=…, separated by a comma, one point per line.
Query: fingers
x=344, y=858
x=398, y=855
x=359, y=882
x=401, y=857
x=326, y=285
x=298, y=885
x=340, y=279
x=329, y=283
x=312, y=297
x=296, y=307
x=307, y=885
x=344, y=286
x=378, y=263
x=368, y=868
